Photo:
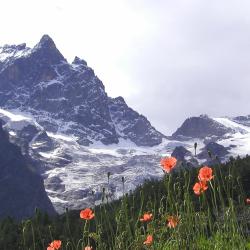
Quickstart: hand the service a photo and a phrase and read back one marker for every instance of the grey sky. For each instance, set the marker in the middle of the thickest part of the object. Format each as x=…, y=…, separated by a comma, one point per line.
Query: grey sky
x=169, y=59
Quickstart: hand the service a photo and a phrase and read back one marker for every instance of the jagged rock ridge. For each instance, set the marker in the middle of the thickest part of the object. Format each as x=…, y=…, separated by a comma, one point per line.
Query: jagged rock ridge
x=42, y=82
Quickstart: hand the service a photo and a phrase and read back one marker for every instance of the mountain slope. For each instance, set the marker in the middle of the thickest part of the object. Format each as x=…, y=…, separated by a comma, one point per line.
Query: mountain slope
x=21, y=188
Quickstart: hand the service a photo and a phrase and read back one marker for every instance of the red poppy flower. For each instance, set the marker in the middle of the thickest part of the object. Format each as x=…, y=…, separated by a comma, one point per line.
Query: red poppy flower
x=87, y=214
x=146, y=217
x=172, y=221
x=149, y=240
x=168, y=163
x=200, y=187
x=205, y=174
x=88, y=248
x=248, y=201
x=56, y=244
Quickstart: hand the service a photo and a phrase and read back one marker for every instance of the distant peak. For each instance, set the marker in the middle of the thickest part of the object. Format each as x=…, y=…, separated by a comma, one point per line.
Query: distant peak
x=46, y=41
x=47, y=49
x=79, y=61
x=200, y=127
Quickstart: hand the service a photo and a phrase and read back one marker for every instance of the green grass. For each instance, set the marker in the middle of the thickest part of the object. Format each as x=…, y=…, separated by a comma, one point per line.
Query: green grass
x=218, y=219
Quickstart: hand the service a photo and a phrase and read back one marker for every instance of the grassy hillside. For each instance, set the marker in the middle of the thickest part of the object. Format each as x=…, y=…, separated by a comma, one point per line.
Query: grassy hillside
x=175, y=217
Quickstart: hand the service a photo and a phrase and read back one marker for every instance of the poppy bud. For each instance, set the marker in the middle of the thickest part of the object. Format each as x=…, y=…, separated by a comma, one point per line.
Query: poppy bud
x=209, y=154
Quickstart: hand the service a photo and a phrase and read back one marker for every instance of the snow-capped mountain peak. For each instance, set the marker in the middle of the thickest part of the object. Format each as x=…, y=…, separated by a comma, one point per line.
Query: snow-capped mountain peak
x=43, y=83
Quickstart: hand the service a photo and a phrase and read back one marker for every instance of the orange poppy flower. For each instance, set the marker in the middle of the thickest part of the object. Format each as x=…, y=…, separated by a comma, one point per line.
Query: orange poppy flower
x=87, y=214
x=149, y=240
x=248, y=201
x=205, y=174
x=200, y=187
x=88, y=248
x=56, y=244
x=168, y=163
x=172, y=221
x=146, y=217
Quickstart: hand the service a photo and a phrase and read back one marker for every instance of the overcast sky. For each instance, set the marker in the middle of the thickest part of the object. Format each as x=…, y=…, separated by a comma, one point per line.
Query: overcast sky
x=169, y=59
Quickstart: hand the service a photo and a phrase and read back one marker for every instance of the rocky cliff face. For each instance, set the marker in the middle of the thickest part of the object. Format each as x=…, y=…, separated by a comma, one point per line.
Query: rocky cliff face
x=67, y=97
x=21, y=188
x=130, y=125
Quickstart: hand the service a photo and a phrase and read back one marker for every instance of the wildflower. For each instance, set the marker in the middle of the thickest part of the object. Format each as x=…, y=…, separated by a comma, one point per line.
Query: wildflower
x=248, y=201
x=168, y=163
x=205, y=174
x=87, y=214
x=88, y=248
x=146, y=217
x=56, y=244
x=172, y=221
x=200, y=187
x=149, y=240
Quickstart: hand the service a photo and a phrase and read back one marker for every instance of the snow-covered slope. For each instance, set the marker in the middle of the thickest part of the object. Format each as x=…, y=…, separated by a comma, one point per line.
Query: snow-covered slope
x=238, y=142
x=75, y=175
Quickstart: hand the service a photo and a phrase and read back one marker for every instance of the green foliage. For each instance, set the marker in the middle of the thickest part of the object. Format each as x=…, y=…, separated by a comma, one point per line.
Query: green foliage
x=218, y=219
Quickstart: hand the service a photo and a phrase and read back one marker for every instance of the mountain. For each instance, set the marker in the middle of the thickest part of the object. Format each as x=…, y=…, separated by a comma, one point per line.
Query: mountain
x=50, y=106
x=21, y=188
x=217, y=138
x=200, y=127
x=41, y=81
x=74, y=134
